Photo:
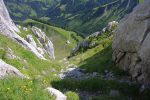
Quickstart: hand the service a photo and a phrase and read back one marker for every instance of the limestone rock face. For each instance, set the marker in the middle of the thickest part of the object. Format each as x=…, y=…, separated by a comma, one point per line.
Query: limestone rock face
x=8, y=70
x=31, y=40
x=82, y=44
x=39, y=34
x=45, y=41
x=7, y=26
x=131, y=44
x=50, y=49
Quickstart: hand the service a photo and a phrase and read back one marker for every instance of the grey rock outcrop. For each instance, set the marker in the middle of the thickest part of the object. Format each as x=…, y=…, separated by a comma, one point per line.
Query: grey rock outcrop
x=27, y=45
x=45, y=41
x=31, y=40
x=39, y=34
x=9, y=29
x=82, y=44
x=131, y=45
x=8, y=70
x=59, y=95
x=50, y=49
x=7, y=26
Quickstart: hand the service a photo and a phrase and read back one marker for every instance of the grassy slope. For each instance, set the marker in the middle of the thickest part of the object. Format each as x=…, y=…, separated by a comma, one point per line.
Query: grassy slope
x=141, y=1
x=39, y=71
x=20, y=89
x=99, y=58
x=58, y=36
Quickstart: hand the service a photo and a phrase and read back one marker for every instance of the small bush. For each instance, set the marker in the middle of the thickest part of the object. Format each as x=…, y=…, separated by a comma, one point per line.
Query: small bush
x=72, y=95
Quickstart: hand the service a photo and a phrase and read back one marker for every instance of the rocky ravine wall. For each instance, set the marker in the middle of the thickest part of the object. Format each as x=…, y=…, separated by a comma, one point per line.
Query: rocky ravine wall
x=131, y=45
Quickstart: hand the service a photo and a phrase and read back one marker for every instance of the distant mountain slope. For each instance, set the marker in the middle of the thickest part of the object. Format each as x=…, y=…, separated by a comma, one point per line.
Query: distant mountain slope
x=82, y=16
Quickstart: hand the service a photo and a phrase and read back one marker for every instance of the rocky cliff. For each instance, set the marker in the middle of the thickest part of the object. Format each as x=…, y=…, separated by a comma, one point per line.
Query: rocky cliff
x=7, y=27
x=131, y=48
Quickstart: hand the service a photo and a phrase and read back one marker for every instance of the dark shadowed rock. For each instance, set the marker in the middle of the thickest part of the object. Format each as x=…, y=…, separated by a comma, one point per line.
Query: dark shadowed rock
x=59, y=95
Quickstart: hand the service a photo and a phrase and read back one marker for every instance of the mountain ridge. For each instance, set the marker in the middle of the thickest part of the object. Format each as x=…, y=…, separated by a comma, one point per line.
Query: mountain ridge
x=84, y=17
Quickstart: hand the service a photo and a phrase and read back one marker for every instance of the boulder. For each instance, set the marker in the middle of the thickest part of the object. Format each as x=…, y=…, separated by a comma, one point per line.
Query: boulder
x=59, y=95
x=131, y=44
x=8, y=70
